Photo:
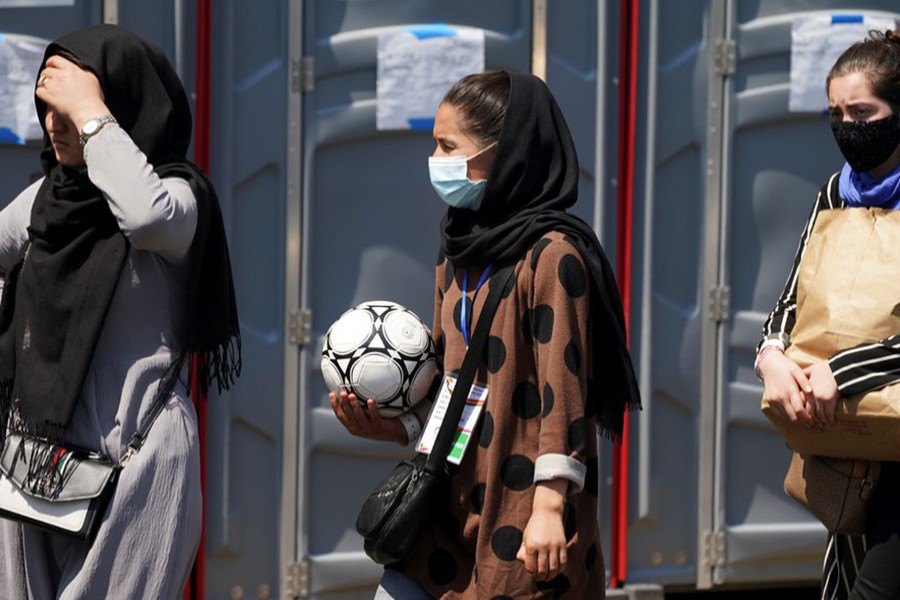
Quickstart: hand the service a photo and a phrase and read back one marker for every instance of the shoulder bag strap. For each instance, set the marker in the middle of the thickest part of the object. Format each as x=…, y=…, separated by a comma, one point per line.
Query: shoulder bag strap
x=163, y=393
x=474, y=356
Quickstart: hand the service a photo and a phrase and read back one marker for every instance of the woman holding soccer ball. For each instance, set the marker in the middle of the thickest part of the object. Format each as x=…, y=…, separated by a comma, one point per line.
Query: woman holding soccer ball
x=523, y=499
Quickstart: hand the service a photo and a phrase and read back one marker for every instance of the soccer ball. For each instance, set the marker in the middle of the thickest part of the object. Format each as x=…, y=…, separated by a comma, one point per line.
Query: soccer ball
x=383, y=351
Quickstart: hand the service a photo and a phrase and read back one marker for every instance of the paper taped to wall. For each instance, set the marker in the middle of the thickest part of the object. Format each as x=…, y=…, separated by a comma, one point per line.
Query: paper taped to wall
x=20, y=59
x=816, y=43
x=416, y=66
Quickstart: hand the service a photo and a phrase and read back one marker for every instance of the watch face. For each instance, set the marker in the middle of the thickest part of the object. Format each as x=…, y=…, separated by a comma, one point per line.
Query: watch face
x=93, y=126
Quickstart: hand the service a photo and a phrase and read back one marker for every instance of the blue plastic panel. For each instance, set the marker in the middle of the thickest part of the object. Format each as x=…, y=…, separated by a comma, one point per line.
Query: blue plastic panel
x=249, y=149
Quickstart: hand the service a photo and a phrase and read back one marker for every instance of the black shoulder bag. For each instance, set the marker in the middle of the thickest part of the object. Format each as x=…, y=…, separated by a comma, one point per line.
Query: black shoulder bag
x=70, y=490
x=393, y=517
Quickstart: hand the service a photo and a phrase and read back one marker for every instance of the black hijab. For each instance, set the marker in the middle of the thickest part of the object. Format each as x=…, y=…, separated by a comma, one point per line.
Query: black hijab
x=56, y=299
x=532, y=181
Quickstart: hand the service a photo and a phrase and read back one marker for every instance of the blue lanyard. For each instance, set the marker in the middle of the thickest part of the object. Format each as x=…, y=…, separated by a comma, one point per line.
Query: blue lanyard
x=464, y=321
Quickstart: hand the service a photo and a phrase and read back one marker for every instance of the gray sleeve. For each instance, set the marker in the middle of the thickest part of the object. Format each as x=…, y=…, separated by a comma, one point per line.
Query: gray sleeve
x=560, y=466
x=14, y=221
x=158, y=215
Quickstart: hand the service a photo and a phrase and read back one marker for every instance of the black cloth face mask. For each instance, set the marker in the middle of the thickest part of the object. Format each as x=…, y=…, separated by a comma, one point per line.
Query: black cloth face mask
x=867, y=144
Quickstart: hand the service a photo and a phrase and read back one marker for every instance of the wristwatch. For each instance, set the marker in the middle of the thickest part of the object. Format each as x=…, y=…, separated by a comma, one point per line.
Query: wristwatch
x=92, y=126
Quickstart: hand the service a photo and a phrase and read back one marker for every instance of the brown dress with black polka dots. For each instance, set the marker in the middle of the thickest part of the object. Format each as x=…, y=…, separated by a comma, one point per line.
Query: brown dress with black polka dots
x=536, y=367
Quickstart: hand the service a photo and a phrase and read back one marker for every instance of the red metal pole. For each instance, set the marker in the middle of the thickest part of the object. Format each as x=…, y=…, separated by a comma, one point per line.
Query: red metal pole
x=203, y=83
x=628, y=33
x=196, y=586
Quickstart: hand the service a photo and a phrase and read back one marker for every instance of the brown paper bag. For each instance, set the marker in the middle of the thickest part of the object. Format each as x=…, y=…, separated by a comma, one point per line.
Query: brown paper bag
x=848, y=293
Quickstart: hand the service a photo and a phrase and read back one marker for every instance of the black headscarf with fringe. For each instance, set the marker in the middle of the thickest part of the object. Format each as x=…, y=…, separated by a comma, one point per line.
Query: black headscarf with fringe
x=533, y=180
x=56, y=299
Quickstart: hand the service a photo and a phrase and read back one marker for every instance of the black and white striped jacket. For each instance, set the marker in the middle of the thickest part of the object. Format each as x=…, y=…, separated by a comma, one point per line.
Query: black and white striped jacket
x=858, y=369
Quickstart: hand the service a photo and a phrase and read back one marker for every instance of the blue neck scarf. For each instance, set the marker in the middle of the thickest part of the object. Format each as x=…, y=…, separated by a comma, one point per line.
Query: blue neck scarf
x=861, y=189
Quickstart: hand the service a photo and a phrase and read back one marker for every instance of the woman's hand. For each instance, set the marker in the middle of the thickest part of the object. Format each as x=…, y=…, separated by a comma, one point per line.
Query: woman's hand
x=74, y=93
x=543, y=550
x=825, y=393
x=787, y=388
x=365, y=421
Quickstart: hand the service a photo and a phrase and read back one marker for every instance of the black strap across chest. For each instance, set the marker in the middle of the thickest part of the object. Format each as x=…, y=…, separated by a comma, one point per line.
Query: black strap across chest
x=474, y=355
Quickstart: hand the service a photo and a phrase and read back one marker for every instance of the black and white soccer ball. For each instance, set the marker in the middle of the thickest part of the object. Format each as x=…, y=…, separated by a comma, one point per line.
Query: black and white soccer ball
x=383, y=351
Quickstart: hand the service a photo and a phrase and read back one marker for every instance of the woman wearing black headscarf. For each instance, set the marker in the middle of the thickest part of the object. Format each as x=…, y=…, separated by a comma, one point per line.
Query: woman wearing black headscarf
x=115, y=265
x=520, y=521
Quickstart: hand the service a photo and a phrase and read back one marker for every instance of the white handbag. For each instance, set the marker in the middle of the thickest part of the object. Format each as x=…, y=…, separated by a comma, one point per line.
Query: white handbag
x=71, y=497
x=71, y=502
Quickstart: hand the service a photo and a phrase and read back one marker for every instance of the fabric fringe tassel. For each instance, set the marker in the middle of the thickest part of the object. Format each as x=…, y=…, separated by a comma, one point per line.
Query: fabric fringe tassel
x=611, y=417
x=222, y=365
x=6, y=386
x=44, y=478
x=610, y=427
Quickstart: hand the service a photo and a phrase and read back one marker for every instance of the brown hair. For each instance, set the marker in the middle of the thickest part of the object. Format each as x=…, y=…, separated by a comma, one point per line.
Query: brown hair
x=878, y=58
x=481, y=99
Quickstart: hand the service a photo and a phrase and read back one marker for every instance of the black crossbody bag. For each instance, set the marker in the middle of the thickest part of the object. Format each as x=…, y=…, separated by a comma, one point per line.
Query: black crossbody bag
x=71, y=497
x=395, y=513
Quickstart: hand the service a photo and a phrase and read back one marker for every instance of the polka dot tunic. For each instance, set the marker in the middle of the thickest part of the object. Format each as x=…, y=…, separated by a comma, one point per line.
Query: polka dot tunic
x=537, y=425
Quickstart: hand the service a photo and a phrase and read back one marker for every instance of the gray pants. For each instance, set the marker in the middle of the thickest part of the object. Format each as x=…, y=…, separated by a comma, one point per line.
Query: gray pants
x=397, y=586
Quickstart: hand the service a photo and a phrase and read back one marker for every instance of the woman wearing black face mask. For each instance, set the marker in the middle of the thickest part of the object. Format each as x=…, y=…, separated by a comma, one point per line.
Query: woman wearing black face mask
x=864, y=99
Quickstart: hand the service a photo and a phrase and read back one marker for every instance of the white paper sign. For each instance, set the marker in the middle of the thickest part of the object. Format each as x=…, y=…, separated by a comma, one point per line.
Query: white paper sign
x=417, y=66
x=29, y=3
x=816, y=43
x=20, y=59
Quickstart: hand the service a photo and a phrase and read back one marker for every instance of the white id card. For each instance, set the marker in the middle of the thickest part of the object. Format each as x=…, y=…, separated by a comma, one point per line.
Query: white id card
x=467, y=422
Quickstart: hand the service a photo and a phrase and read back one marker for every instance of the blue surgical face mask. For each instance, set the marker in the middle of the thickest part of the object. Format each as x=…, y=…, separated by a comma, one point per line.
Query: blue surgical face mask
x=449, y=178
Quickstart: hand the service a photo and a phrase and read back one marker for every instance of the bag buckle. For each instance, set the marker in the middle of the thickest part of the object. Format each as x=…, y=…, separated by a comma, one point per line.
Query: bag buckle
x=129, y=452
x=865, y=488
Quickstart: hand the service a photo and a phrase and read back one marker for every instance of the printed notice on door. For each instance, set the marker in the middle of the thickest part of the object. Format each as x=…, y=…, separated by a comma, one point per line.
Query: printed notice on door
x=816, y=43
x=416, y=66
x=20, y=59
